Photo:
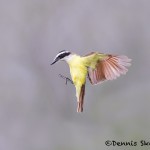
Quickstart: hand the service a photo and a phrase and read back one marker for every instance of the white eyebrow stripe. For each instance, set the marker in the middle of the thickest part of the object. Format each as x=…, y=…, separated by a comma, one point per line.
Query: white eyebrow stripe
x=61, y=53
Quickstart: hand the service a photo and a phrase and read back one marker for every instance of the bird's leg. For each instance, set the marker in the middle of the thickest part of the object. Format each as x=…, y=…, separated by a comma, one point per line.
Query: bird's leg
x=66, y=78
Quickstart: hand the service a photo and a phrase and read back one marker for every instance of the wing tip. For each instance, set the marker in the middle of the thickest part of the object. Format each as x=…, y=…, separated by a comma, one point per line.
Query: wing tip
x=110, y=68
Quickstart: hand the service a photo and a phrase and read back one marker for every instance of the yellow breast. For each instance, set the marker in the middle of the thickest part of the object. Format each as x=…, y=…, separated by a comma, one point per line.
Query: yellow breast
x=78, y=70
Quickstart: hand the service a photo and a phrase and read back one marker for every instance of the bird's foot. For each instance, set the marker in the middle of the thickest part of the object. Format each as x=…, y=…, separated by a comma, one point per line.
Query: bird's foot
x=66, y=78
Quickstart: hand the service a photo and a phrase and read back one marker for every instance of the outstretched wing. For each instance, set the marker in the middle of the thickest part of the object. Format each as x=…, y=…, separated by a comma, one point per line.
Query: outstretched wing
x=107, y=67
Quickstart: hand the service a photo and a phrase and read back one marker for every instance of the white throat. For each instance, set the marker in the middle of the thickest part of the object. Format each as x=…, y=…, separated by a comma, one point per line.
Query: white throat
x=68, y=58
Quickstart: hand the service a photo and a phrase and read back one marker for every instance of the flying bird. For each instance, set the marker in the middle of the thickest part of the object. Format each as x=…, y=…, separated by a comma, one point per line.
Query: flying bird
x=97, y=67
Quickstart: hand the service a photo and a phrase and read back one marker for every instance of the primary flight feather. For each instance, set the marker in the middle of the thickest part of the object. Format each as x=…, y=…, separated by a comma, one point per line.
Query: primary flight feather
x=97, y=66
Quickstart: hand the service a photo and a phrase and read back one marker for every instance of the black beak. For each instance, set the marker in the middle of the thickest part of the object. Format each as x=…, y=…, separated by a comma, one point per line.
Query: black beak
x=54, y=61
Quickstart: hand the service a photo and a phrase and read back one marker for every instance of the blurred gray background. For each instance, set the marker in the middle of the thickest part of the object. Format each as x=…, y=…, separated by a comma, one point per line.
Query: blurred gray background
x=37, y=109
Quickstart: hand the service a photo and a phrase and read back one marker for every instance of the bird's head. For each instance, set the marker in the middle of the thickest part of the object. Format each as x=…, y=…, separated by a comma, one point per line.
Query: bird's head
x=62, y=55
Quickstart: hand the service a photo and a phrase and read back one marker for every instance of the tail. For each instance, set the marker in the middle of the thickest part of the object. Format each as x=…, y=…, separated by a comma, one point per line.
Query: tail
x=80, y=99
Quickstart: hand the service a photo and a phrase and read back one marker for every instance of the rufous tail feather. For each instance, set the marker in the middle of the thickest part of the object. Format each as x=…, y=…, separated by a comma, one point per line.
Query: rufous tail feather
x=81, y=99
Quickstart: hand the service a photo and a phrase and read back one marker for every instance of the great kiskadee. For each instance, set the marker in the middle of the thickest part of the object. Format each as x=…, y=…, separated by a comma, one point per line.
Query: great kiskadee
x=96, y=66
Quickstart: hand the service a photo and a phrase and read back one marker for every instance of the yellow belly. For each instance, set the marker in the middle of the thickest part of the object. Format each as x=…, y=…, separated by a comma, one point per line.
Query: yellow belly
x=78, y=70
x=78, y=75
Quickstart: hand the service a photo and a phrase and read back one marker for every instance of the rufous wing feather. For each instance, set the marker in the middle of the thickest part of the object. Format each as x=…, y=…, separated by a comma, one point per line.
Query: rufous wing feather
x=109, y=68
x=81, y=99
